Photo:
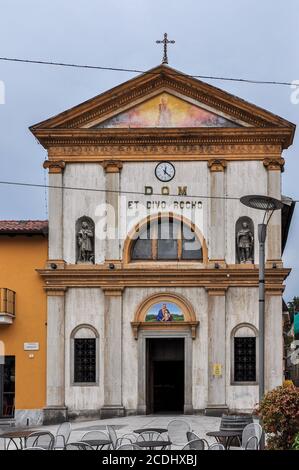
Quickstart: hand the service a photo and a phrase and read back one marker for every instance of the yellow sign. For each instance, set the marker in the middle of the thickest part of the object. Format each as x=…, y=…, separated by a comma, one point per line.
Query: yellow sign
x=217, y=370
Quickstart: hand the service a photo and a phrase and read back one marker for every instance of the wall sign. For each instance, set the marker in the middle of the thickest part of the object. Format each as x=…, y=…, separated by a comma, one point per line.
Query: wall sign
x=31, y=346
x=217, y=370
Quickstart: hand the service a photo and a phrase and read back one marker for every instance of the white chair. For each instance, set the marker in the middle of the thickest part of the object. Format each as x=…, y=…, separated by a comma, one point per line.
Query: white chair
x=43, y=439
x=177, y=431
x=62, y=435
x=251, y=436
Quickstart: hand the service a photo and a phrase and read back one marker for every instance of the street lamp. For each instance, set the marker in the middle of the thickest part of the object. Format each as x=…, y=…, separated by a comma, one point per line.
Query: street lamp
x=269, y=205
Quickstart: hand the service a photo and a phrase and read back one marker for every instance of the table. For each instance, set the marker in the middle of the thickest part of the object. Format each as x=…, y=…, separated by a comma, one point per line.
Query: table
x=20, y=434
x=159, y=430
x=226, y=436
x=98, y=443
x=153, y=444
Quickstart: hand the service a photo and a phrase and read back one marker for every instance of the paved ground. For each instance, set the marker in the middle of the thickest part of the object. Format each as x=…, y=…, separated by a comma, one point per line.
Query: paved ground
x=200, y=425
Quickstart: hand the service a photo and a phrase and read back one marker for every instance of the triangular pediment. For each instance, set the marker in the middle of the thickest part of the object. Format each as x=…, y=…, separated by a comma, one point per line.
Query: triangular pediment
x=166, y=110
x=161, y=98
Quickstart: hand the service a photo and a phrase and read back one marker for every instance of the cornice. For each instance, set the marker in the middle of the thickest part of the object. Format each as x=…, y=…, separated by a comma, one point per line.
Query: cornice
x=166, y=137
x=102, y=276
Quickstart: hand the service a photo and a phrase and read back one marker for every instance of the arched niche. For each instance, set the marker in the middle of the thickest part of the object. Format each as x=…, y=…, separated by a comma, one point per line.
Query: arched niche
x=244, y=240
x=151, y=315
x=85, y=240
x=148, y=224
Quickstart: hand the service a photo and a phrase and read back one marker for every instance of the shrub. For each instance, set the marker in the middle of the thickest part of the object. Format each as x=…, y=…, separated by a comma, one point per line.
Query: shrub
x=279, y=412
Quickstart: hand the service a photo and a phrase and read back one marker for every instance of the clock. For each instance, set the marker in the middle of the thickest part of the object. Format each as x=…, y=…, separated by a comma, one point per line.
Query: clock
x=165, y=171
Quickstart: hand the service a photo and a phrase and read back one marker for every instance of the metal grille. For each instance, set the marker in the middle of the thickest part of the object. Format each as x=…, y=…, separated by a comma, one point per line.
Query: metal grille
x=84, y=360
x=245, y=359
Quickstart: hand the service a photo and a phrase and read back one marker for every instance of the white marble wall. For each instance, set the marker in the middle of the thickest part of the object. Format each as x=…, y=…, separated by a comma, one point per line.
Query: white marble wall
x=84, y=306
x=241, y=307
x=78, y=203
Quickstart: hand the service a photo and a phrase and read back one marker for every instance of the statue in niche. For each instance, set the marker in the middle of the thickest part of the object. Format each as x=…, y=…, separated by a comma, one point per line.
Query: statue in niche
x=85, y=240
x=244, y=240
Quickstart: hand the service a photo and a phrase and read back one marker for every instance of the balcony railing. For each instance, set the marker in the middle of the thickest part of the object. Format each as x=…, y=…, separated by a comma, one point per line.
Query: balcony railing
x=7, y=306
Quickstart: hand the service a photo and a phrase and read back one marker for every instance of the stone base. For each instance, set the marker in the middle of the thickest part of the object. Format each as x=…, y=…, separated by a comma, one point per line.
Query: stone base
x=28, y=417
x=188, y=410
x=55, y=414
x=112, y=411
x=216, y=410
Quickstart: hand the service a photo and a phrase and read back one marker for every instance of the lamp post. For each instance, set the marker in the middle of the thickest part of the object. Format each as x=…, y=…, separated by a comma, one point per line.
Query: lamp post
x=268, y=205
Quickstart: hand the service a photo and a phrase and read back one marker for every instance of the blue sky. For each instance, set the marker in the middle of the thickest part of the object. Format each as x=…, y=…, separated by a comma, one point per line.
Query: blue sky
x=245, y=38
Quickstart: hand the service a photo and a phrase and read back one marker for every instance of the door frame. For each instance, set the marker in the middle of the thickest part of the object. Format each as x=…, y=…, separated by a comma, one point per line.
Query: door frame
x=142, y=366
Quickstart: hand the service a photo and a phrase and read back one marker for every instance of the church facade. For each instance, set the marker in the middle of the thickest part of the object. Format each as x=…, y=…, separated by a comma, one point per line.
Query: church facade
x=152, y=276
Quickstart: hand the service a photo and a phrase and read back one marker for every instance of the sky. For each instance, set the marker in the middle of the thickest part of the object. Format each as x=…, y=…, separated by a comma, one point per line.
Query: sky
x=234, y=38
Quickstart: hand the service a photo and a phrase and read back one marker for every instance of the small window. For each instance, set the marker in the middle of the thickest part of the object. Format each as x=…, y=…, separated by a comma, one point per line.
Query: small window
x=244, y=355
x=85, y=356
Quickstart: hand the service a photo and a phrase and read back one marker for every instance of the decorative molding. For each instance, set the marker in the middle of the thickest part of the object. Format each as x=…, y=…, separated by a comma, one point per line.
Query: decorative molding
x=161, y=275
x=216, y=290
x=217, y=165
x=274, y=164
x=159, y=79
x=172, y=141
x=189, y=322
x=137, y=229
x=112, y=166
x=113, y=291
x=54, y=166
x=55, y=291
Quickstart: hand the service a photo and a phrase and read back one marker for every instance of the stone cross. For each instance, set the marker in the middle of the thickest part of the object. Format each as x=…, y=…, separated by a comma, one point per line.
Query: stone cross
x=165, y=42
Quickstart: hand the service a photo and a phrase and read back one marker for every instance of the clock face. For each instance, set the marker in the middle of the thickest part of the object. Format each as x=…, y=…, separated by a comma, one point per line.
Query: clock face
x=165, y=171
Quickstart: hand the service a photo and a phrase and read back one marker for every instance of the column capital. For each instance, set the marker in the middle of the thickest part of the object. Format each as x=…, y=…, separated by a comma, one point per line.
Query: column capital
x=216, y=290
x=112, y=166
x=55, y=291
x=113, y=291
x=274, y=164
x=54, y=166
x=217, y=165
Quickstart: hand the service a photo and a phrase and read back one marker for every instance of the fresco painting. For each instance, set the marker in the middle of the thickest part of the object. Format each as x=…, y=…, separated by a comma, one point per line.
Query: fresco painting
x=166, y=110
x=164, y=312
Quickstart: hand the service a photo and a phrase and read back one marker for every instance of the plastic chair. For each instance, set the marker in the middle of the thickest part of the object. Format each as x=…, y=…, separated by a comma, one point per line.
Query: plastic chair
x=177, y=431
x=44, y=439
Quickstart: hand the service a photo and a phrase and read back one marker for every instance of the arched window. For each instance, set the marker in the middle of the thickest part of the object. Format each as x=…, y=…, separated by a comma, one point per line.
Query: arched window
x=166, y=239
x=84, y=355
x=244, y=354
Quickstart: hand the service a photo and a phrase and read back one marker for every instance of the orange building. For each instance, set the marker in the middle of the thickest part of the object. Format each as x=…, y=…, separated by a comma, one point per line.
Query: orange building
x=23, y=247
